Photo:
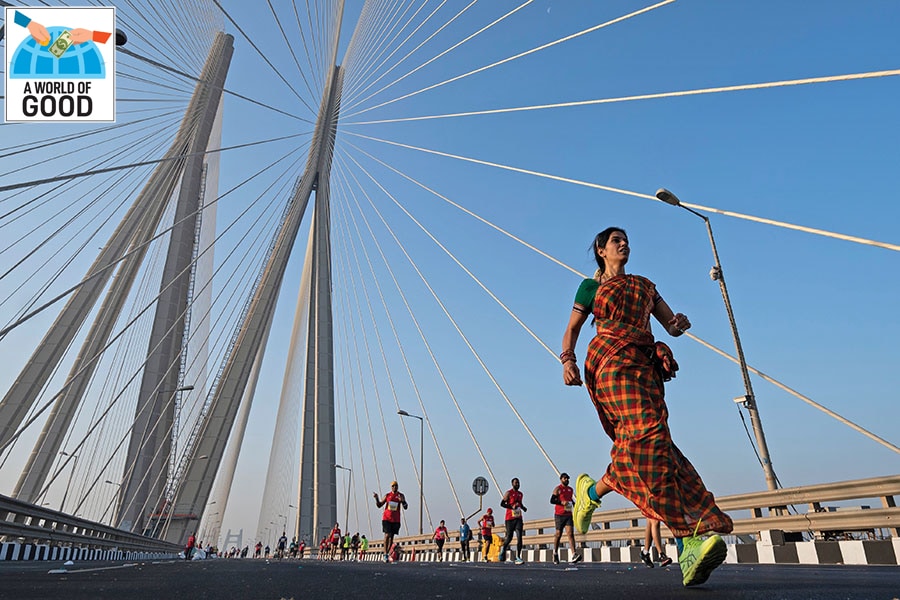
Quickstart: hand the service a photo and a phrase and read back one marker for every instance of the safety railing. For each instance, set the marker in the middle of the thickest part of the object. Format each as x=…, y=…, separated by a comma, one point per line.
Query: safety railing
x=798, y=510
x=30, y=524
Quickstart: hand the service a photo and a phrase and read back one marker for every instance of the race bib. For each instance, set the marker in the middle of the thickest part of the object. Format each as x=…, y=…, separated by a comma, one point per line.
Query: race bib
x=393, y=505
x=516, y=513
x=569, y=506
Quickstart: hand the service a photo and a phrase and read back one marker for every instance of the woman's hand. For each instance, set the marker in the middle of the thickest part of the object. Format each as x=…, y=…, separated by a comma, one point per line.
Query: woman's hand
x=571, y=375
x=679, y=324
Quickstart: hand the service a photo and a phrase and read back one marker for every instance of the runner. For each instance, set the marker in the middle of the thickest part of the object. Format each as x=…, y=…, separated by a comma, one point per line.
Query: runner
x=189, y=548
x=363, y=547
x=652, y=538
x=282, y=543
x=625, y=372
x=345, y=545
x=486, y=522
x=512, y=502
x=465, y=535
x=334, y=541
x=393, y=501
x=395, y=553
x=440, y=536
x=354, y=547
x=563, y=501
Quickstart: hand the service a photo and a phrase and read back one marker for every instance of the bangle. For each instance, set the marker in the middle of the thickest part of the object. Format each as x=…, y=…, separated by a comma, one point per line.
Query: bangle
x=568, y=356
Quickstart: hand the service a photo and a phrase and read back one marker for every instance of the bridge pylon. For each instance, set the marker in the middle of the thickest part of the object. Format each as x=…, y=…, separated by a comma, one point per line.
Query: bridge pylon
x=317, y=504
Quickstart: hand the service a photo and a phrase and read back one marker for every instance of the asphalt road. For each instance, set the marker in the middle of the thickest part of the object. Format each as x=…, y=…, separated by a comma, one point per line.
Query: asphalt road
x=274, y=580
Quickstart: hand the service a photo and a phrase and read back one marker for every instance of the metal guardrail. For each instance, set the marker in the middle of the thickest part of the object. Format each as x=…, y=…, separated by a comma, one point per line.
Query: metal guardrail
x=35, y=524
x=768, y=510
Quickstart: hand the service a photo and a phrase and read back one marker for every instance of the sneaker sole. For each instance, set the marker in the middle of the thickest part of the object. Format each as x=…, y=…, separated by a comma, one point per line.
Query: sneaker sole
x=712, y=554
x=581, y=486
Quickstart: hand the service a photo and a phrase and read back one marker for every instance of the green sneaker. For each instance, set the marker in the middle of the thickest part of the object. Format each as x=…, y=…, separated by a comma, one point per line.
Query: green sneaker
x=700, y=557
x=584, y=506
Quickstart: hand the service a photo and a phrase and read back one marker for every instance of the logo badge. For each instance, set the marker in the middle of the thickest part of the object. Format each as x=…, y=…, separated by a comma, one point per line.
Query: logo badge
x=60, y=64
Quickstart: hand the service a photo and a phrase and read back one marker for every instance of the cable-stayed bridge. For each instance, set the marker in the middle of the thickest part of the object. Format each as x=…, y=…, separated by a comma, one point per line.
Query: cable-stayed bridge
x=310, y=217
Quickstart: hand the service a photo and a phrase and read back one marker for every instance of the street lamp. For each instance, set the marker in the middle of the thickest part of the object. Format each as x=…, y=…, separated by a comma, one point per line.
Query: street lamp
x=749, y=400
x=403, y=413
x=294, y=530
x=68, y=483
x=349, y=481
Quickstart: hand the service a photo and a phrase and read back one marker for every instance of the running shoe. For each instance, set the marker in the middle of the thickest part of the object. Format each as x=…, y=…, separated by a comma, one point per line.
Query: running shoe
x=664, y=561
x=519, y=560
x=584, y=506
x=386, y=558
x=700, y=557
x=576, y=558
x=555, y=558
x=647, y=559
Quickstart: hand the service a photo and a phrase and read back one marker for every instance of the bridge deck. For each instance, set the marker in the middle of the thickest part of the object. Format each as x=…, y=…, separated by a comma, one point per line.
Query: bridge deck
x=316, y=579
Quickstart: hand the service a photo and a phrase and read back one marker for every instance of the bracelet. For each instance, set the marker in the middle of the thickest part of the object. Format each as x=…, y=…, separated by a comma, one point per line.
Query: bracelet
x=568, y=356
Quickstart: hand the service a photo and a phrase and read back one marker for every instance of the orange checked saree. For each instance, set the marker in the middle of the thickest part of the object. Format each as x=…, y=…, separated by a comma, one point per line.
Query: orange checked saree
x=627, y=391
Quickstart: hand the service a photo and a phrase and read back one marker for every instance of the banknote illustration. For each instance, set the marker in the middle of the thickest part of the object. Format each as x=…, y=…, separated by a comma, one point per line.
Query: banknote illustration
x=61, y=44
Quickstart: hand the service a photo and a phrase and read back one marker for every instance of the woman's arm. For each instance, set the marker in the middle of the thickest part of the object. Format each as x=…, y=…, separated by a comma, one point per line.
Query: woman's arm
x=571, y=374
x=674, y=323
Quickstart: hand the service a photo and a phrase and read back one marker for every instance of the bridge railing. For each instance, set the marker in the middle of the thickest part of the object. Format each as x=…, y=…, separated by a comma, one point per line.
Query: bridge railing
x=31, y=524
x=754, y=514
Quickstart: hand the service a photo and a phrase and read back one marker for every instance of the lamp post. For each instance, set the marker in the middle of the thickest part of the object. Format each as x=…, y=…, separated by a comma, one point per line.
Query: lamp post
x=403, y=413
x=294, y=529
x=69, y=482
x=749, y=400
x=349, y=481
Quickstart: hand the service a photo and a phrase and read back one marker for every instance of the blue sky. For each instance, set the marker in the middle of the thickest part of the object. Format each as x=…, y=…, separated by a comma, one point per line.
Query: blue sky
x=814, y=313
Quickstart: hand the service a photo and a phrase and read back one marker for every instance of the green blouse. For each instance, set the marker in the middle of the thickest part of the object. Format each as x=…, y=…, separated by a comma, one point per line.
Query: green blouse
x=586, y=292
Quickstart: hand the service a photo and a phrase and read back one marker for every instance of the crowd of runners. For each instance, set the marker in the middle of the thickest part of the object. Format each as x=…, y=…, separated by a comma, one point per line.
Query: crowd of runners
x=344, y=546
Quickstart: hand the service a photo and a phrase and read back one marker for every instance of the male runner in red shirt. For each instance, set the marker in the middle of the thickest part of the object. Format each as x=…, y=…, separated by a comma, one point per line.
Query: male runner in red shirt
x=334, y=540
x=512, y=502
x=563, y=501
x=390, y=519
